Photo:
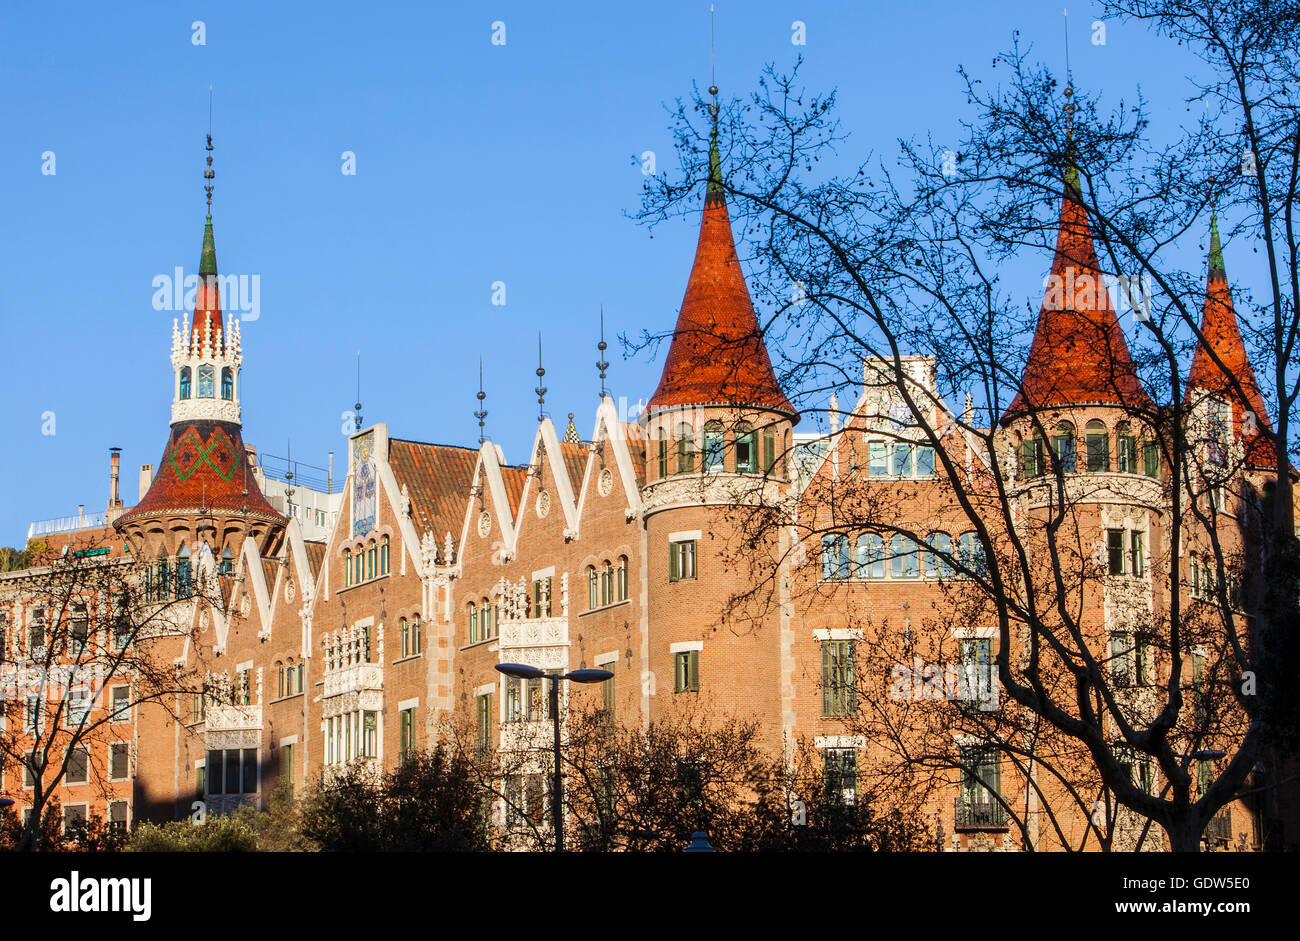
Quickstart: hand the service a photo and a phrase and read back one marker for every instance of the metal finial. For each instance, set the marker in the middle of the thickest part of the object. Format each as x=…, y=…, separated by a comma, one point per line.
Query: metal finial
x=713, y=70
x=602, y=364
x=541, y=389
x=357, y=407
x=209, y=175
x=1069, y=79
x=481, y=414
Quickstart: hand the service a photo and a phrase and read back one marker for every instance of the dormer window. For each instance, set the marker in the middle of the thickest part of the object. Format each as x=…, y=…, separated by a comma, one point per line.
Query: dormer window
x=207, y=381
x=227, y=383
x=185, y=382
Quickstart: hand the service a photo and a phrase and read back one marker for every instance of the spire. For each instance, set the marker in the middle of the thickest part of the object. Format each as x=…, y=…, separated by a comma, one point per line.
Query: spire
x=1078, y=355
x=1222, y=334
x=717, y=355
x=207, y=322
x=571, y=433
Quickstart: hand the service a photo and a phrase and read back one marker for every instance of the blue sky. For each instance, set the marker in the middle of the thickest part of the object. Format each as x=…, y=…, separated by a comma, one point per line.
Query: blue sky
x=475, y=163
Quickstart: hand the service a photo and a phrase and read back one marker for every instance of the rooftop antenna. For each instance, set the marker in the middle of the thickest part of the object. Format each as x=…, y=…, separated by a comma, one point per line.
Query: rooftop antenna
x=208, y=173
x=481, y=414
x=288, y=475
x=541, y=389
x=357, y=407
x=602, y=364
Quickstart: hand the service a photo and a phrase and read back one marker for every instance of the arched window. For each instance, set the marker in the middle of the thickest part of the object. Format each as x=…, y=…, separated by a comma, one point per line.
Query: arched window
x=473, y=623
x=406, y=638
x=227, y=383
x=871, y=556
x=290, y=674
x=185, y=382
x=1126, y=449
x=416, y=640
x=1097, y=443
x=383, y=557
x=227, y=564
x=371, y=557
x=1064, y=448
x=715, y=445
x=661, y=448
x=347, y=568
x=685, y=449
x=593, y=587
x=746, y=449
x=902, y=552
x=357, y=561
x=164, y=578
x=606, y=583
x=620, y=592
x=279, y=680
x=938, y=561
x=970, y=554
x=835, y=556
x=489, y=627
x=184, y=572
x=207, y=381
x=1033, y=457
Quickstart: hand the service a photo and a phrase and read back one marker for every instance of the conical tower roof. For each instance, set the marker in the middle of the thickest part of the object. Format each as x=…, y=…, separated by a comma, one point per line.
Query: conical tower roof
x=1078, y=355
x=717, y=355
x=1223, y=335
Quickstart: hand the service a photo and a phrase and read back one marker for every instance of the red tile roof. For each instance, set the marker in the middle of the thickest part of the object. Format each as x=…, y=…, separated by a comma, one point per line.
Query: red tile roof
x=717, y=355
x=636, y=444
x=204, y=465
x=437, y=479
x=315, y=552
x=1223, y=336
x=575, y=462
x=514, y=478
x=1078, y=355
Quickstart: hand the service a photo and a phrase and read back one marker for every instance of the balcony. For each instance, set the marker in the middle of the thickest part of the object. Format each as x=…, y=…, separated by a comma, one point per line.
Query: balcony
x=354, y=678
x=1219, y=830
x=231, y=718
x=970, y=814
x=534, y=632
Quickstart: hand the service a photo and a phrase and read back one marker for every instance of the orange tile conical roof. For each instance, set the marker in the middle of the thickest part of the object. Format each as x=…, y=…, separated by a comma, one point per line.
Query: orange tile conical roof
x=717, y=355
x=1222, y=335
x=1078, y=355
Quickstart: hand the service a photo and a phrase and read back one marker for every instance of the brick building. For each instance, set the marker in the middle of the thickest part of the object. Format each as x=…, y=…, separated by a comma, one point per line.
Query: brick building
x=638, y=549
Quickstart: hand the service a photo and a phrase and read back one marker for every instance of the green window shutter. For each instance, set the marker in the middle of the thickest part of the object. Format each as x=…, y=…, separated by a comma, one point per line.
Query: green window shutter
x=694, y=656
x=828, y=678
x=674, y=569
x=1150, y=459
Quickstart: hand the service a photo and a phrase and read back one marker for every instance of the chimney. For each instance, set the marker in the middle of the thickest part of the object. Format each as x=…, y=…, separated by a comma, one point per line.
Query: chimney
x=114, y=488
x=146, y=478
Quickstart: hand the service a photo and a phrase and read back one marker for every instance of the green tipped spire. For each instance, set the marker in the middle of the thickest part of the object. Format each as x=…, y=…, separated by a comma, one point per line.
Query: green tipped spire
x=1216, y=251
x=715, y=165
x=208, y=261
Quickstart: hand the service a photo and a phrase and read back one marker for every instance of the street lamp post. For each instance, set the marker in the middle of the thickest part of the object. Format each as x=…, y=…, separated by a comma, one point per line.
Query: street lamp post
x=524, y=672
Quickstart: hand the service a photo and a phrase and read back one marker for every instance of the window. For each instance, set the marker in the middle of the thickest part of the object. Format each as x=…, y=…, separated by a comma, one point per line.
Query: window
x=74, y=818
x=488, y=627
x=769, y=450
x=835, y=556
x=925, y=466
x=383, y=557
x=1125, y=449
x=29, y=770
x=483, y=722
x=1121, y=659
x=970, y=555
x=871, y=556
x=840, y=774
x=981, y=784
x=620, y=585
x=685, y=449
x=279, y=681
x=406, y=724
x=78, y=707
x=976, y=655
x=877, y=462
x=286, y=767
x=535, y=699
x=290, y=672
x=1135, y=554
x=416, y=641
x=207, y=380
x=663, y=457
x=36, y=634
x=77, y=770
x=714, y=447
x=227, y=383
x=1097, y=446
x=119, y=761
x=938, y=561
x=185, y=382
x=117, y=816
x=1115, y=552
x=473, y=623
x=243, y=688
x=686, y=671
x=1150, y=459
x=900, y=464
x=606, y=583
x=903, y=557
x=120, y=703
x=839, y=678
x=347, y=568
x=370, y=561
x=232, y=771
x=746, y=449
x=33, y=716
x=369, y=735
x=1200, y=696
x=542, y=597
x=1063, y=446
x=184, y=583
x=227, y=564
x=514, y=699
x=607, y=692
x=681, y=560
x=1032, y=463
x=593, y=587
x=79, y=625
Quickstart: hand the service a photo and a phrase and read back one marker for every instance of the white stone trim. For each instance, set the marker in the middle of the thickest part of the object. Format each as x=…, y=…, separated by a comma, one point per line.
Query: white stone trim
x=969, y=633
x=837, y=633
x=486, y=689
x=684, y=645
x=611, y=657
x=544, y=573
x=289, y=740
x=408, y=704
x=686, y=535
x=840, y=741
x=246, y=665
